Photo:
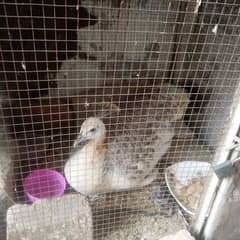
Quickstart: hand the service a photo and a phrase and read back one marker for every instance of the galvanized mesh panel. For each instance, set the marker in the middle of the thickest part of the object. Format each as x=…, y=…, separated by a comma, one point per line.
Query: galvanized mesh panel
x=161, y=77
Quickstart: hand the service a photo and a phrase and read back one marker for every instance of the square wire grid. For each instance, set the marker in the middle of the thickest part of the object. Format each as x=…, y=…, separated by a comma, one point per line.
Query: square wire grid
x=161, y=75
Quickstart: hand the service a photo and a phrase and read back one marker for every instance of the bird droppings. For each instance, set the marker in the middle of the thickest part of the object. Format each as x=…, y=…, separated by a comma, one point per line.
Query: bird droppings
x=23, y=66
x=215, y=29
x=86, y=104
x=198, y=4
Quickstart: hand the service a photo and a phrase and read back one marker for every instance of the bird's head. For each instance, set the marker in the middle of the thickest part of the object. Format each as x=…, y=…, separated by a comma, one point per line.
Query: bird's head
x=92, y=129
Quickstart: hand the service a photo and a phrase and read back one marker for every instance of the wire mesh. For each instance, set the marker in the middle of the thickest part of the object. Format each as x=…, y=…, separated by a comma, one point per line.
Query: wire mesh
x=159, y=75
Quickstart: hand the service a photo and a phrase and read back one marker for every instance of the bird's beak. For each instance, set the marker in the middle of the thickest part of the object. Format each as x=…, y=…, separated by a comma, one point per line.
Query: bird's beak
x=80, y=141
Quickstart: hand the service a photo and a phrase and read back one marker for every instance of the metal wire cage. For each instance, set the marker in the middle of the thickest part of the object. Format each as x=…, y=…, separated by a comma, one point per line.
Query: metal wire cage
x=111, y=104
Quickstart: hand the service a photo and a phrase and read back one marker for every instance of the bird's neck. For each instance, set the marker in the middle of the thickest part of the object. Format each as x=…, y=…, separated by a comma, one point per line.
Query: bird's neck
x=96, y=149
x=98, y=143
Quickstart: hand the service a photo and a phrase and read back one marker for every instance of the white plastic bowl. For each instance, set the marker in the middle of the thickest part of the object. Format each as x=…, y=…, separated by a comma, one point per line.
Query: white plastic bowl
x=181, y=174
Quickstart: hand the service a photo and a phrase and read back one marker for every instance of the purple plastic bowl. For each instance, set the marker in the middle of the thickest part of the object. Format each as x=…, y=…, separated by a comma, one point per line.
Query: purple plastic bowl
x=44, y=183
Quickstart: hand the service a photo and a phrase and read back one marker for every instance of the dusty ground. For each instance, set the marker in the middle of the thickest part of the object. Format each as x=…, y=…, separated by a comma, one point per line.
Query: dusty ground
x=147, y=228
x=131, y=227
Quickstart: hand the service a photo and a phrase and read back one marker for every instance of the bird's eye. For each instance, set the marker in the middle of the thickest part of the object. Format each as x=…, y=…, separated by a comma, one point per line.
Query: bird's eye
x=93, y=130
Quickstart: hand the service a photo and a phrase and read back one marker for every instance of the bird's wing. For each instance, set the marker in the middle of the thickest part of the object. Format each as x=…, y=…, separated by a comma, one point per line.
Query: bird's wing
x=135, y=154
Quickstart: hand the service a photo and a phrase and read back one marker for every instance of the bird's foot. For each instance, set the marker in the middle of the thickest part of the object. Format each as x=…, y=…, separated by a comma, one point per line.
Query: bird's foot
x=93, y=197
